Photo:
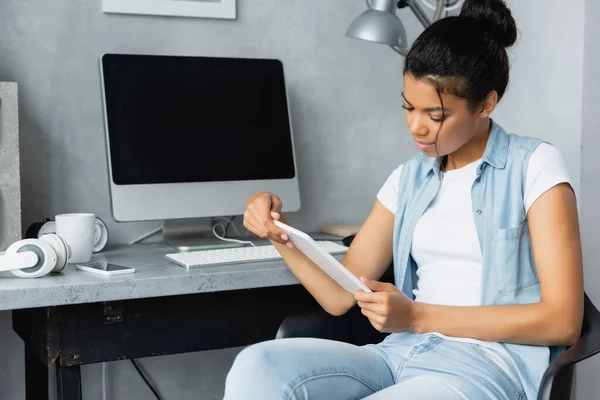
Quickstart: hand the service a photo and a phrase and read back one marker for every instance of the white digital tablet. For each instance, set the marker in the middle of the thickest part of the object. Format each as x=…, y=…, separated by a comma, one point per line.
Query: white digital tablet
x=323, y=259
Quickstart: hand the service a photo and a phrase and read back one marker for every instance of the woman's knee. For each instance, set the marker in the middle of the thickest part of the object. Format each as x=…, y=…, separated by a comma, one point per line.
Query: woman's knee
x=254, y=366
x=255, y=358
x=274, y=365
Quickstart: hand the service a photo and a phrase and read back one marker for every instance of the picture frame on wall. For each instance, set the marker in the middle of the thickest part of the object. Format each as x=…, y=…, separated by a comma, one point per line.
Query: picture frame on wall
x=225, y=9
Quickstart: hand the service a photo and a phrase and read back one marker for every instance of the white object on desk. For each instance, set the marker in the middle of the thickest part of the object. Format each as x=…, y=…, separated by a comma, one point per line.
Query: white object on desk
x=209, y=258
x=33, y=258
x=324, y=260
x=77, y=229
x=105, y=268
x=41, y=228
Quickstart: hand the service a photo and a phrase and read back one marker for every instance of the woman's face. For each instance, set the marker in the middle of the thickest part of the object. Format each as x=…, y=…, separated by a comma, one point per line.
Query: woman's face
x=424, y=117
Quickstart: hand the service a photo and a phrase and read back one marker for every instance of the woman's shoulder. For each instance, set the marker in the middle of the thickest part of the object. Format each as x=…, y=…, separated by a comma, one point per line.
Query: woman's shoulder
x=523, y=148
x=533, y=147
x=546, y=156
x=517, y=141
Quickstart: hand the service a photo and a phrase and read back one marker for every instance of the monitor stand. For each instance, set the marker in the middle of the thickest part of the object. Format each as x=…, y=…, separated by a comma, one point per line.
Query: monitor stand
x=195, y=234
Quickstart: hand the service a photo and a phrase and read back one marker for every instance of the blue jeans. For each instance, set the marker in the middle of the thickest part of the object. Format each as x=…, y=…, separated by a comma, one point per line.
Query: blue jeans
x=403, y=366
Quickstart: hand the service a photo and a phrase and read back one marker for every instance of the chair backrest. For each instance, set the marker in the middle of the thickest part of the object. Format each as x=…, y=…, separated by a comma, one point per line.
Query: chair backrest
x=558, y=379
x=591, y=316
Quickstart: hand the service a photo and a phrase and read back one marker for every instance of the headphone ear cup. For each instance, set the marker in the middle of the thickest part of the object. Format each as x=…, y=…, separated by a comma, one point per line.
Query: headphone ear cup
x=45, y=253
x=61, y=249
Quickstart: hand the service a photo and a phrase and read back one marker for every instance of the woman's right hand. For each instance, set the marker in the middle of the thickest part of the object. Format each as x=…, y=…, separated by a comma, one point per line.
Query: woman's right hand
x=262, y=208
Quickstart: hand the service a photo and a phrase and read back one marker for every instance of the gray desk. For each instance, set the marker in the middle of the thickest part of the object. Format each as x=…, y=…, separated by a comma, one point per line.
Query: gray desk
x=77, y=318
x=155, y=276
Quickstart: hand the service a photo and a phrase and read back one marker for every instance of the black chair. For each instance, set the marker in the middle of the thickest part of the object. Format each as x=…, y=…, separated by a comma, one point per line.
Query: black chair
x=355, y=328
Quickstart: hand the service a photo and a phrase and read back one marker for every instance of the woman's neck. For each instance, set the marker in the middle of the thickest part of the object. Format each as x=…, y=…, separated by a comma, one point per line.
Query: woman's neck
x=470, y=152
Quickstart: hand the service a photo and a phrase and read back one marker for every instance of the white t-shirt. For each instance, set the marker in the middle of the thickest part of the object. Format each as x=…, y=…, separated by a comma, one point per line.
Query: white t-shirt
x=445, y=244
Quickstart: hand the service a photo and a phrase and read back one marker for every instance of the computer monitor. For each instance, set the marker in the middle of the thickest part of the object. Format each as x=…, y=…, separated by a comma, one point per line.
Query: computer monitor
x=195, y=137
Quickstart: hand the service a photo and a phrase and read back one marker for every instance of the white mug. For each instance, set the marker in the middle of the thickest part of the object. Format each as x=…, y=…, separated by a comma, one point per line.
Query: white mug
x=78, y=230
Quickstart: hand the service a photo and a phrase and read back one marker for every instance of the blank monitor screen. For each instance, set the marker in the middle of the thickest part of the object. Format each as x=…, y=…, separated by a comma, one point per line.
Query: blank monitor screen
x=196, y=119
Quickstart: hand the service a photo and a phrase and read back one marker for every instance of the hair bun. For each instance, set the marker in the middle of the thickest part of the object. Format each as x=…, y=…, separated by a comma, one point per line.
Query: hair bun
x=495, y=18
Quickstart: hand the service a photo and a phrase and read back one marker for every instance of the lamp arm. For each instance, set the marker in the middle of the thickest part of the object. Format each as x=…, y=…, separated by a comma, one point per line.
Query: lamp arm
x=438, y=10
x=421, y=15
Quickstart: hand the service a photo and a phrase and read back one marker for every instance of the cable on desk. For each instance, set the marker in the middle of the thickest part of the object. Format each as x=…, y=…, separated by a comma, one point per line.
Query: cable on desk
x=229, y=223
x=224, y=227
x=145, y=380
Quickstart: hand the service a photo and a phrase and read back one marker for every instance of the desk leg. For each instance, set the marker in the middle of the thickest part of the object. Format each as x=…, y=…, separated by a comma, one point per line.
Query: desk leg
x=36, y=376
x=68, y=382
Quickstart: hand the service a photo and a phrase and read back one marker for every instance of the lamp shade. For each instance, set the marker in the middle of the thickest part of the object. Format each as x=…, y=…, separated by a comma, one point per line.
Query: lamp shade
x=379, y=25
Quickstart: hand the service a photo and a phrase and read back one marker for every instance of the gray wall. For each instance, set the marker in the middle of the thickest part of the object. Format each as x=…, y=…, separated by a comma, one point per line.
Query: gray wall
x=52, y=50
x=349, y=128
x=588, y=372
x=547, y=70
x=345, y=97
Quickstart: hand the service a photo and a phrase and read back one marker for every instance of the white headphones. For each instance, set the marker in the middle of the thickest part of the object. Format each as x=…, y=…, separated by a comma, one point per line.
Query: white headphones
x=32, y=258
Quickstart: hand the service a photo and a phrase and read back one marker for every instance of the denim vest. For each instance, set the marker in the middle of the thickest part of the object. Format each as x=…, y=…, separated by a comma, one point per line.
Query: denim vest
x=509, y=275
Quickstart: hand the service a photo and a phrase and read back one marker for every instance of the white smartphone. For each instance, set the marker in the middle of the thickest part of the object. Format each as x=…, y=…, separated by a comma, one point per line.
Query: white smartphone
x=105, y=268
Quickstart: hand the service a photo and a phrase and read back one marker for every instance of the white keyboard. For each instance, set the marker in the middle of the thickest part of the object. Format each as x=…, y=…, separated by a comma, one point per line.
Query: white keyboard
x=238, y=255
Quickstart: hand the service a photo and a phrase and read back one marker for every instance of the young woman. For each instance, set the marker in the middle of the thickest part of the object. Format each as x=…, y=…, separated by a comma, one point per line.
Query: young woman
x=482, y=227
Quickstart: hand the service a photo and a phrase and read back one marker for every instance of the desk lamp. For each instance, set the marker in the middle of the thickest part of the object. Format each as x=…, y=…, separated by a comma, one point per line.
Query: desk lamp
x=381, y=25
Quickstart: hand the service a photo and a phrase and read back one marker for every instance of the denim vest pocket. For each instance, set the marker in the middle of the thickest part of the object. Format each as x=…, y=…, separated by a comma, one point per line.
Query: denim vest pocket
x=514, y=233
x=527, y=294
x=513, y=256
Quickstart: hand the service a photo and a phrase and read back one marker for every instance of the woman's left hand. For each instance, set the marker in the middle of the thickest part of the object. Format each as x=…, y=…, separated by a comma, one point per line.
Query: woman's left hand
x=388, y=309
